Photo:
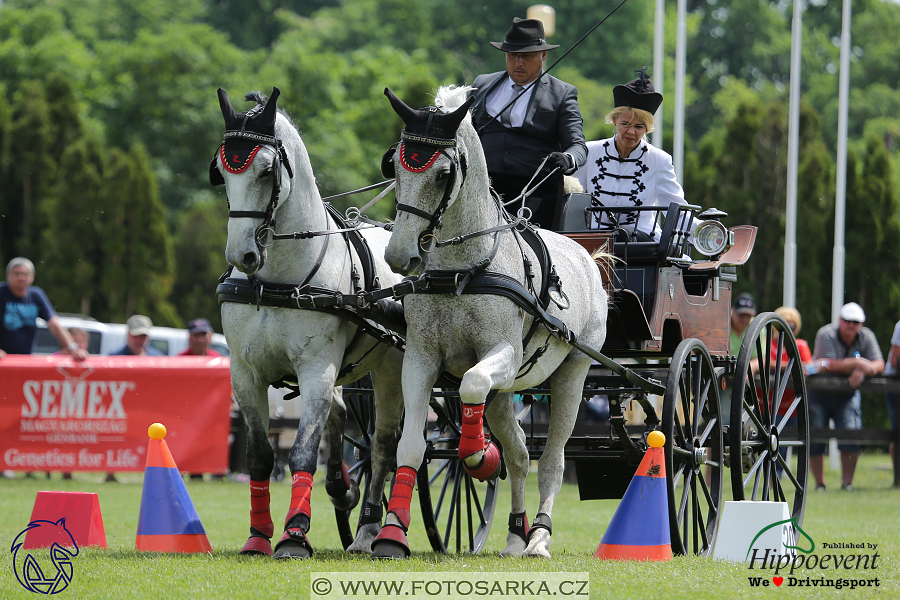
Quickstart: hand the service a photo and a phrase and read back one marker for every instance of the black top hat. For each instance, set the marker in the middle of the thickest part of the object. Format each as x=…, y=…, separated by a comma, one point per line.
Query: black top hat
x=638, y=93
x=525, y=35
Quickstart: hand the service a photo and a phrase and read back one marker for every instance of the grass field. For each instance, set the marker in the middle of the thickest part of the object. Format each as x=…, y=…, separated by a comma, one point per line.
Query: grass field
x=871, y=513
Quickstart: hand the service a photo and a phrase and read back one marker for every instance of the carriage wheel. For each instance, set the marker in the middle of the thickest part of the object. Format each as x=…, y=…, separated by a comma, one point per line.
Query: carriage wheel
x=769, y=453
x=358, y=434
x=457, y=510
x=692, y=423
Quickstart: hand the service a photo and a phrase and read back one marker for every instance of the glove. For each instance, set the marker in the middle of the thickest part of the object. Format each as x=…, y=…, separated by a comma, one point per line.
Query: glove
x=561, y=160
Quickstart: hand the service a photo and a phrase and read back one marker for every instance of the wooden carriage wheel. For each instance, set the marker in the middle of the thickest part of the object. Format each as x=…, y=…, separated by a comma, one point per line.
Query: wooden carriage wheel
x=457, y=510
x=358, y=434
x=694, y=449
x=769, y=453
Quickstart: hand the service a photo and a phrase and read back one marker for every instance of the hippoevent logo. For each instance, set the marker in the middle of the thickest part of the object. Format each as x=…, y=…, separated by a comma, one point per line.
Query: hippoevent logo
x=40, y=577
x=800, y=566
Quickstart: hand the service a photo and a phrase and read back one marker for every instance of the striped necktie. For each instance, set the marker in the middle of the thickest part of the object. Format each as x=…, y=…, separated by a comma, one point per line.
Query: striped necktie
x=505, y=116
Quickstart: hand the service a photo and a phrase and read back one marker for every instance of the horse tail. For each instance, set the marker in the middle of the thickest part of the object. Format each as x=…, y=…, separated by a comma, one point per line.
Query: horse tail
x=605, y=262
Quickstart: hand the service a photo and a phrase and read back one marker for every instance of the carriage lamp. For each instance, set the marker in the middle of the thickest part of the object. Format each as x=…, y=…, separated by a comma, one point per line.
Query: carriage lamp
x=711, y=238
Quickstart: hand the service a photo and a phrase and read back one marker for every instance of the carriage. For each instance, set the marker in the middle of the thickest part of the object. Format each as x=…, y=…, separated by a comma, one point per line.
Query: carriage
x=666, y=356
x=670, y=324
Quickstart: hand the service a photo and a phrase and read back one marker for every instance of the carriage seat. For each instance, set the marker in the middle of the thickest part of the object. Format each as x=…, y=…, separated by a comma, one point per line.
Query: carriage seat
x=578, y=210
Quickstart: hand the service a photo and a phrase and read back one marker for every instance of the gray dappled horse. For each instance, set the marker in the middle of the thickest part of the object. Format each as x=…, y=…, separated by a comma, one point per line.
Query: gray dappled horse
x=442, y=188
x=268, y=178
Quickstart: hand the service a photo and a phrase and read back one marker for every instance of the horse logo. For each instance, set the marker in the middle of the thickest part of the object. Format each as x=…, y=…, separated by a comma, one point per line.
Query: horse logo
x=27, y=569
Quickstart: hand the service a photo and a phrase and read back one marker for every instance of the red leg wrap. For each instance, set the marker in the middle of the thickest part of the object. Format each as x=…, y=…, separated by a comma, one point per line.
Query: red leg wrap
x=260, y=517
x=301, y=488
x=472, y=439
x=401, y=496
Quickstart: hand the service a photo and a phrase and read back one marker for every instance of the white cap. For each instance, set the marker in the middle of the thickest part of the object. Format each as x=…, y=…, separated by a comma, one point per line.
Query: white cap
x=853, y=312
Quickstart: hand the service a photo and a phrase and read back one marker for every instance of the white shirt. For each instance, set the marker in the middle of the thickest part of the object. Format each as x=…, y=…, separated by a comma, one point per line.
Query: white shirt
x=500, y=97
x=645, y=178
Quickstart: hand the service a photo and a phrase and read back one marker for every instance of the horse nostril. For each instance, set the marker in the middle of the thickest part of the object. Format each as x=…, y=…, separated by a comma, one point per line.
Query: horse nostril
x=250, y=259
x=414, y=263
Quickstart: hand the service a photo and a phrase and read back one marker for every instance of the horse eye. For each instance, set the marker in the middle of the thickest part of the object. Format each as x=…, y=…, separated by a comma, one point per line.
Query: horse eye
x=443, y=173
x=265, y=173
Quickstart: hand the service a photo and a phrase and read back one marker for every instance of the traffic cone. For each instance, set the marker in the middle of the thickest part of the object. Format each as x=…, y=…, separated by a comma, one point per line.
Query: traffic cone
x=168, y=521
x=639, y=529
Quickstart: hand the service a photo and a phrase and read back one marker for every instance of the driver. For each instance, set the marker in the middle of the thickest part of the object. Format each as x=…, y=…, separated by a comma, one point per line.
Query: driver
x=544, y=122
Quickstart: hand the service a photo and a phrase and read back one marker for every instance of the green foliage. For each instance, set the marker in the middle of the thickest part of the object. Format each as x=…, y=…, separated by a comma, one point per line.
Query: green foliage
x=200, y=236
x=84, y=83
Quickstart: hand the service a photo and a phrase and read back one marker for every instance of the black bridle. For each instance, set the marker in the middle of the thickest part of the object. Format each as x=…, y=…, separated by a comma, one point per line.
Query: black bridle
x=427, y=239
x=267, y=226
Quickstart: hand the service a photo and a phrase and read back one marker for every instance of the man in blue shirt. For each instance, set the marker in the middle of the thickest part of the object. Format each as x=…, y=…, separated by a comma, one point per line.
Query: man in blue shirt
x=138, y=336
x=20, y=306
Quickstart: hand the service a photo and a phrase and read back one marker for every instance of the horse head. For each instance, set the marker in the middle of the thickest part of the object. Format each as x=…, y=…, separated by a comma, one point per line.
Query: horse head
x=434, y=164
x=252, y=163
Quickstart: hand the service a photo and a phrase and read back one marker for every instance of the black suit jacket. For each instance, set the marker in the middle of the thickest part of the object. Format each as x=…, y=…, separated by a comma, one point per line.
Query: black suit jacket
x=552, y=124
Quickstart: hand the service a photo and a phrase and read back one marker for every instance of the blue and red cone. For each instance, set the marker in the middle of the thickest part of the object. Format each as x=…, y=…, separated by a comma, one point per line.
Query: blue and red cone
x=168, y=521
x=639, y=529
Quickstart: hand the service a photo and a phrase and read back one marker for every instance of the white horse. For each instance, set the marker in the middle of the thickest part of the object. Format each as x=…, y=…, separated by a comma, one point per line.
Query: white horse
x=268, y=178
x=440, y=168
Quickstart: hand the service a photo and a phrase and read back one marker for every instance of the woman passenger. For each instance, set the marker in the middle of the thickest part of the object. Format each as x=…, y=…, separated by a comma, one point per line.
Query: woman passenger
x=626, y=170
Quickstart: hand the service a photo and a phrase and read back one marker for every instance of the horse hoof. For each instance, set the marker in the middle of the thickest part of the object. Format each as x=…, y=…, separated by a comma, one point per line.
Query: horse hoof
x=391, y=543
x=293, y=544
x=257, y=546
x=347, y=498
x=489, y=469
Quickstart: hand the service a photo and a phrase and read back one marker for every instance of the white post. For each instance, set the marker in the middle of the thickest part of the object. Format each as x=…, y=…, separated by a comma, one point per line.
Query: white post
x=790, y=227
x=837, y=269
x=678, y=129
x=659, y=65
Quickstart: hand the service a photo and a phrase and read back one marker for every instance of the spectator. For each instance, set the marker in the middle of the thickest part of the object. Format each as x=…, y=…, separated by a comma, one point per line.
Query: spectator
x=844, y=348
x=792, y=318
x=138, y=338
x=20, y=305
x=136, y=345
x=80, y=337
x=200, y=332
x=743, y=309
x=200, y=335
x=891, y=370
x=626, y=170
x=543, y=123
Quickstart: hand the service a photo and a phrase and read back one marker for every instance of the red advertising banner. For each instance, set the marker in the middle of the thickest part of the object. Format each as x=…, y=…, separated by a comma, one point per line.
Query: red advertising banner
x=59, y=415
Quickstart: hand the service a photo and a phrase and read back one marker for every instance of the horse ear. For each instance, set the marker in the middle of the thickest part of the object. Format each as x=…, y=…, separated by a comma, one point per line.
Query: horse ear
x=267, y=118
x=403, y=111
x=227, y=109
x=456, y=117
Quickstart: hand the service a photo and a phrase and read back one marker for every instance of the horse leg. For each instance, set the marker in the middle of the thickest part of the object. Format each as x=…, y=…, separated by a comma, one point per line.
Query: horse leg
x=388, y=410
x=504, y=427
x=497, y=369
x=317, y=396
x=420, y=371
x=565, y=388
x=254, y=404
x=343, y=491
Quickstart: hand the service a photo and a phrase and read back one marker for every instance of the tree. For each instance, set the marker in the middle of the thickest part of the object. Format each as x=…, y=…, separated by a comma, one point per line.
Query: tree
x=73, y=238
x=138, y=274
x=200, y=237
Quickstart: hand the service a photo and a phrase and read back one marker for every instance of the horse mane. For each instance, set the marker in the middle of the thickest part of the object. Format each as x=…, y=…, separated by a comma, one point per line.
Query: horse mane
x=261, y=98
x=449, y=97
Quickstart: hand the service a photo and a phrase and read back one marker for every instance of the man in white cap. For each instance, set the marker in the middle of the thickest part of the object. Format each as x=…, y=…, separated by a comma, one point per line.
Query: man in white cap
x=845, y=348
x=138, y=338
